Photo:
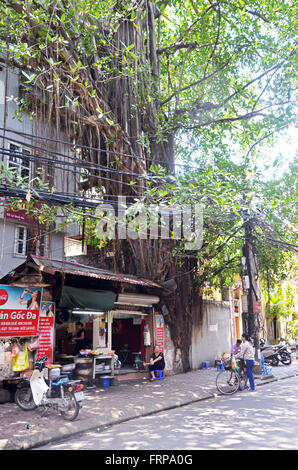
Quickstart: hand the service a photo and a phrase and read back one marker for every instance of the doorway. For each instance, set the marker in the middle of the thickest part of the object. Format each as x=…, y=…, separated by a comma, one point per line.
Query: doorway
x=127, y=339
x=237, y=327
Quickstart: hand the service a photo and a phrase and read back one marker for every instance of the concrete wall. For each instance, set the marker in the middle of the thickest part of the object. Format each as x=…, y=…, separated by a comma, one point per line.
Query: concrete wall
x=172, y=358
x=62, y=180
x=9, y=261
x=213, y=336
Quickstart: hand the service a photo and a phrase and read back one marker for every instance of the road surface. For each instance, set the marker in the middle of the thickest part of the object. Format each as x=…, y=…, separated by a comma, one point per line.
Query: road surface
x=262, y=420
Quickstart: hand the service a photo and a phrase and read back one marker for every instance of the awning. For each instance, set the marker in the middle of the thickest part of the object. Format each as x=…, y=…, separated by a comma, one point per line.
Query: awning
x=53, y=266
x=73, y=297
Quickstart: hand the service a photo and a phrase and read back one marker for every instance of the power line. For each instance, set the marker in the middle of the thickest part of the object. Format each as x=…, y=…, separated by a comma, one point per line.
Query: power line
x=86, y=147
x=78, y=162
x=54, y=162
x=47, y=196
x=64, y=164
x=85, y=165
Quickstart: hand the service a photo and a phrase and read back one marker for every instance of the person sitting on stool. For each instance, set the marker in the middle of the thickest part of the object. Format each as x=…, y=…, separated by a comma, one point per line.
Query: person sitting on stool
x=157, y=362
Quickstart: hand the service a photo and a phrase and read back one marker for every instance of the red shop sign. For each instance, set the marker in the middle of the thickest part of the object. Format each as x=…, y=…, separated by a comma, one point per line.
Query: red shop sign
x=19, y=310
x=257, y=306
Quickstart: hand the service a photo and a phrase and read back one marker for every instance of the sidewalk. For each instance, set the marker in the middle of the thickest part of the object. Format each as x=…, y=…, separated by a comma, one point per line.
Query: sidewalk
x=22, y=430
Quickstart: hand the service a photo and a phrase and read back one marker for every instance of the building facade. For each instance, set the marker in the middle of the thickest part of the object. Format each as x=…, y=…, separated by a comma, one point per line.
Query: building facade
x=29, y=145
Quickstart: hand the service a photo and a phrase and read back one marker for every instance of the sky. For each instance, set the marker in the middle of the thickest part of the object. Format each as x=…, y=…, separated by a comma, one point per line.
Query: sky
x=286, y=147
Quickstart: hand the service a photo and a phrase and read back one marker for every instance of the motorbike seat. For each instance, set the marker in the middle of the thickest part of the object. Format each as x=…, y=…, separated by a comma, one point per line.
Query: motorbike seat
x=59, y=380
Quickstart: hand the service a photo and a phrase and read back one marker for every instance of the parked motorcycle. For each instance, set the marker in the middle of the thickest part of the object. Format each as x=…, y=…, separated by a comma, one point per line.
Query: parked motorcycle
x=270, y=354
x=60, y=393
x=285, y=354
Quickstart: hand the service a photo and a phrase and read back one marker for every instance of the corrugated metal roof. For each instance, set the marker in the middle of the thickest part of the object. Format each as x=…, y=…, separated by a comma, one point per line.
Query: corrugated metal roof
x=52, y=266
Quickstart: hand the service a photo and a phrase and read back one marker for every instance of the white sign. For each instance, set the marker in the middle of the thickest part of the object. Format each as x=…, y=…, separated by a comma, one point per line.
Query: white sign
x=212, y=327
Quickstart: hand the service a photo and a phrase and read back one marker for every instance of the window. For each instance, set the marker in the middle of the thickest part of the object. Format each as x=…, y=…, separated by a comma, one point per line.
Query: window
x=21, y=240
x=28, y=242
x=19, y=161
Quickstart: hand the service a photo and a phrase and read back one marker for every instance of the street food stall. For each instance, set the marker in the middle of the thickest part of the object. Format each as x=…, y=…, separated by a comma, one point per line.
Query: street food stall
x=51, y=296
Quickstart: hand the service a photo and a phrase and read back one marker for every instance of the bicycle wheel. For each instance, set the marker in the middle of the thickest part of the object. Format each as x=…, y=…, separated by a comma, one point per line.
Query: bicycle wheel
x=243, y=381
x=227, y=382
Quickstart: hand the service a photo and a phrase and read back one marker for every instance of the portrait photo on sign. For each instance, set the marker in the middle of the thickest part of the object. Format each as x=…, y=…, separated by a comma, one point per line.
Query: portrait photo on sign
x=47, y=309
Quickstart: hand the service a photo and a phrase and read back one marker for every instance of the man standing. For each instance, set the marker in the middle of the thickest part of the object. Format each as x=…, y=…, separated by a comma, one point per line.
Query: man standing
x=80, y=339
x=247, y=353
x=237, y=347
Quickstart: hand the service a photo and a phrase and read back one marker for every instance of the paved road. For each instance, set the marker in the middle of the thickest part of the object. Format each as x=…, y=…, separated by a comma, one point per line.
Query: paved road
x=265, y=419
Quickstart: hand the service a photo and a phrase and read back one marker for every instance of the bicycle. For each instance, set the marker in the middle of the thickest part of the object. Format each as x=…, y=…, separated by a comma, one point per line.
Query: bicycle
x=229, y=381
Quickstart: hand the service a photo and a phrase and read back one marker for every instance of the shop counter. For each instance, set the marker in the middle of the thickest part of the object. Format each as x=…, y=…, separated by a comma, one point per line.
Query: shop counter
x=105, y=361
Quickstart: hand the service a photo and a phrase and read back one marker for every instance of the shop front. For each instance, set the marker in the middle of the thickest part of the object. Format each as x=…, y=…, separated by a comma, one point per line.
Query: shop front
x=42, y=302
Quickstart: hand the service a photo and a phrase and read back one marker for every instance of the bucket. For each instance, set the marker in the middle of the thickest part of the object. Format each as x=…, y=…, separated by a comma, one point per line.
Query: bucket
x=105, y=382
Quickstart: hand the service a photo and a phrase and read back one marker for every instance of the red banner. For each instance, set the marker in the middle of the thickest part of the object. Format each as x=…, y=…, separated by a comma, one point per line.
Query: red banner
x=46, y=331
x=19, y=215
x=23, y=216
x=18, y=322
x=19, y=310
x=159, y=331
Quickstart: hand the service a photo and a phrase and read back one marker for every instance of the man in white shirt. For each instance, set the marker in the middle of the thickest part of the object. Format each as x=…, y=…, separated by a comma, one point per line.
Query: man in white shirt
x=247, y=353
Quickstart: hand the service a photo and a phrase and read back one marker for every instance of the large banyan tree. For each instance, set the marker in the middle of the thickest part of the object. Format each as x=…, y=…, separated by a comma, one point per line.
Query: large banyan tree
x=134, y=84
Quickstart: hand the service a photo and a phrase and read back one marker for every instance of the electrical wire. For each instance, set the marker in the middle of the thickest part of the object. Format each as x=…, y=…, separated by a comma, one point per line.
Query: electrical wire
x=85, y=147
x=63, y=198
x=71, y=167
x=64, y=164
x=56, y=163
x=7, y=152
x=84, y=163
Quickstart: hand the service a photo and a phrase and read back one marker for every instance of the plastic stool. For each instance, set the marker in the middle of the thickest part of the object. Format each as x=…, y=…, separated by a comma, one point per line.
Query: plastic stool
x=206, y=365
x=159, y=374
x=220, y=366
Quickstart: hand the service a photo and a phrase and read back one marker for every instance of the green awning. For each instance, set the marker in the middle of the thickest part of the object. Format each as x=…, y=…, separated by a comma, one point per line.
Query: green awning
x=73, y=297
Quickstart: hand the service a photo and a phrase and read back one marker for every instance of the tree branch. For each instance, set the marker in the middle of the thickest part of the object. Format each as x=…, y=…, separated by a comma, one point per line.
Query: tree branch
x=263, y=138
x=176, y=46
x=197, y=82
x=237, y=118
x=208, y=106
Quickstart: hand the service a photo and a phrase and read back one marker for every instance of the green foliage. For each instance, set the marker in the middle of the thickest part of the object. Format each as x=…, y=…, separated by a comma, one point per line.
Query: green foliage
x=280, y=304
x=218, y=76
x=223, y=67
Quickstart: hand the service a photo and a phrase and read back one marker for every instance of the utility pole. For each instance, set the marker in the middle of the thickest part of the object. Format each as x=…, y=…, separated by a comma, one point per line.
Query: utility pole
x=253, y=291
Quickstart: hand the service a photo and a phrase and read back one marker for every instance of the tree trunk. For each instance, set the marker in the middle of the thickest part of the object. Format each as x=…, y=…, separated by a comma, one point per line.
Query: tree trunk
x=117, y=128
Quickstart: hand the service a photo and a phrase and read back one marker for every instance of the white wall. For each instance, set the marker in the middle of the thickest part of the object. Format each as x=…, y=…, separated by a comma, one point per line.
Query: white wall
x=9, y=261
x=213, y=336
